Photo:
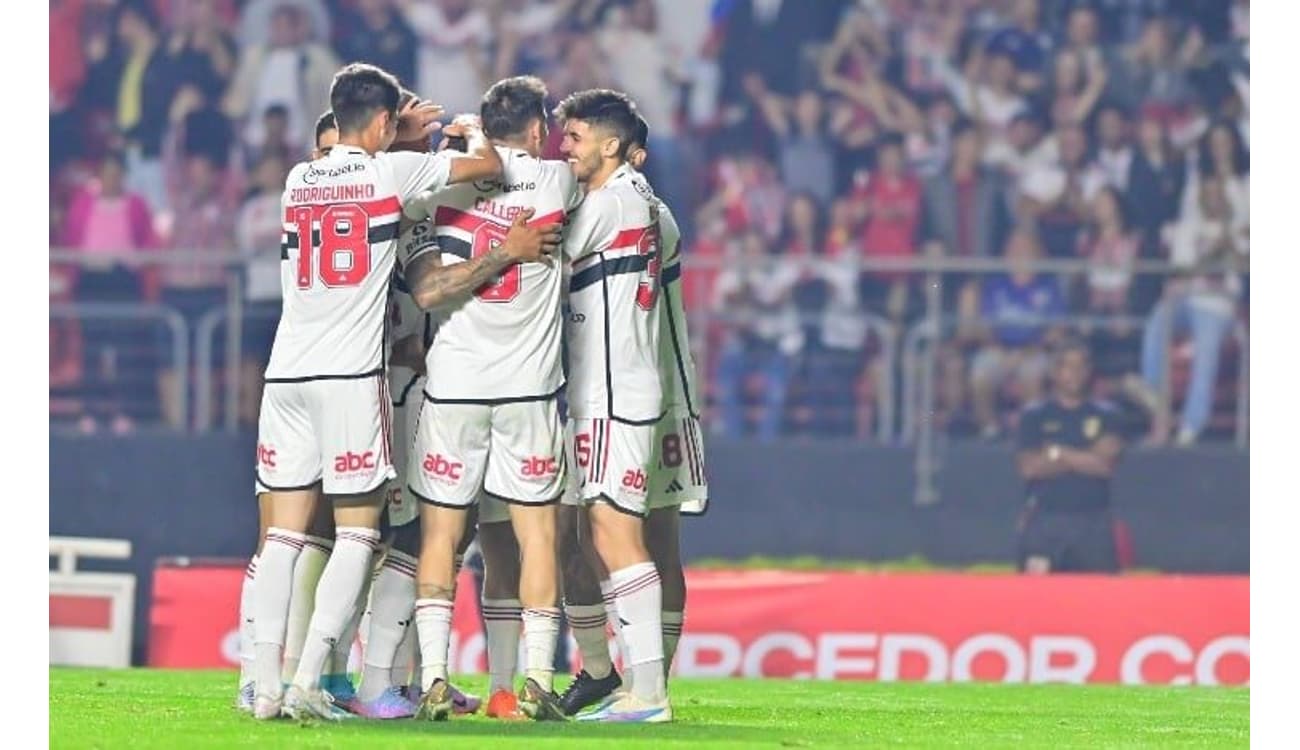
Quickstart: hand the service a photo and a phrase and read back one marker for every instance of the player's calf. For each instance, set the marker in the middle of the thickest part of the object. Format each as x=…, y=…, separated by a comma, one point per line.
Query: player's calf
x=635, y=588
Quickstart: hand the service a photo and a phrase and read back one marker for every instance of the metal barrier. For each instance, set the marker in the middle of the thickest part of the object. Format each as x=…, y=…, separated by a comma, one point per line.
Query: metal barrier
x=205, y=335
x=180, y=345
x=902, y=365
x=919, y=388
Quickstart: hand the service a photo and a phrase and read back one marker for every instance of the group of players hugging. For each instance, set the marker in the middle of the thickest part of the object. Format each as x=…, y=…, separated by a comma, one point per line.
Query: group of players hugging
x=442, y=306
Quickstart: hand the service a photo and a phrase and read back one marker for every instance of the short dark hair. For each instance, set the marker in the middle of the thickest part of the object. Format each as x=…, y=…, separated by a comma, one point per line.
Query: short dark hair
x=612, y=111
x=511, y=104
x=1072, y=344
x=325, y=123
x=359, y=92
x=276, y=110
x=641, y=137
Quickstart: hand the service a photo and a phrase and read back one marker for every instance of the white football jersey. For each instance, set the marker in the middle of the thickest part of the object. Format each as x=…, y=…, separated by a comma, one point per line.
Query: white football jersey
x=405, y=318
x=613, y=324
x=502, y=342
x=676, y=362
x=341, y=219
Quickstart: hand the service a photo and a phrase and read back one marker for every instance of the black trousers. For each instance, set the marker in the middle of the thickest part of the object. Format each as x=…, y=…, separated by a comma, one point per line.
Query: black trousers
x=1071, y=541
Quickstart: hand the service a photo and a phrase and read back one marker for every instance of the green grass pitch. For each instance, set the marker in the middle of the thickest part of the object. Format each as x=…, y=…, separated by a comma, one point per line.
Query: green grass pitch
x=141, y=708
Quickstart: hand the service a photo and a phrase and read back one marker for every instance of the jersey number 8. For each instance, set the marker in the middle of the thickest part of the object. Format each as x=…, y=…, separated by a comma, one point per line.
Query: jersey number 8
x=343, y=251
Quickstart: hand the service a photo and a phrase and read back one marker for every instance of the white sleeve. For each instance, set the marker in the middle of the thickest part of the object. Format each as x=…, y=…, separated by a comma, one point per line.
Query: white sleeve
x=416, y=173
x=593, y=223
x=572, y=190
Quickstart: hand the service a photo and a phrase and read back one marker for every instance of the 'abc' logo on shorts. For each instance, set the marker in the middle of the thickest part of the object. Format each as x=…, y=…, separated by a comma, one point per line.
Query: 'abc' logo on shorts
x=538, y=466
x=443, y=468
x=266, y=456
x=349, y=462
x=634, y=480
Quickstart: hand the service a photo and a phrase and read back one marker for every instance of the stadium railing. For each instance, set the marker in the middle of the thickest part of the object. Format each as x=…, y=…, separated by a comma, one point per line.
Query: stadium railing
x=905, y=364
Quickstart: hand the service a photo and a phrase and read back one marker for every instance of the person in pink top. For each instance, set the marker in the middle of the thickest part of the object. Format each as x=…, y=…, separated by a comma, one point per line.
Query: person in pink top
x=108, y=225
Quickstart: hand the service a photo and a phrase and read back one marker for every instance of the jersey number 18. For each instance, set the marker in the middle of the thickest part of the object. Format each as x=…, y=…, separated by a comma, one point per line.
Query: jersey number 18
x=342, y=250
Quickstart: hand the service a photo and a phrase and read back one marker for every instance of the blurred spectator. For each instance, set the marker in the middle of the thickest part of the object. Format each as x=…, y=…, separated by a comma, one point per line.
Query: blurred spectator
x=107, y=225
x=257, y=20
x=1075, y=90
x=1110, y=249
x=964, y=210
x=754, y=294
x=1067, y=452
x=453, y=64
x=780, y=28
x=1017, y=308
x=527, y=35
x=892, y=202
x=1155, y=180
x=929, y=143
x=376, y=33
x=1222, y=156
x=258, y=231
x=804, y=151
x=276, y=142
x=929, y=34
x=143, y=84
x=67, y=64
x=200, y=226
x=1203, y=302
x=291, y=69
x=851, y=68
x=836, y=358
x=642, y=64
x=1056, y=193
x=199, y=51
x=1083, y=38
x=1157, y=72
x=1027, y=42
x=985, y=91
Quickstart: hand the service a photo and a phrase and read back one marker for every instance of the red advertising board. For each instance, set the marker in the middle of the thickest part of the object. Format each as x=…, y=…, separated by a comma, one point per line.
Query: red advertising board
x=1140, y=629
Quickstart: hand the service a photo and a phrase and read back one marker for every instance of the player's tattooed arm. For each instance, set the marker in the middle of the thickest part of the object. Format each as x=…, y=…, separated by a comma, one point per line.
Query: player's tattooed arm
x=433, y=284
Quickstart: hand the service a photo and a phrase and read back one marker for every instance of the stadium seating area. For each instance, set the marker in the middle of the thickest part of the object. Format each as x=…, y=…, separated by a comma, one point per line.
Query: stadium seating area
x=843, y=171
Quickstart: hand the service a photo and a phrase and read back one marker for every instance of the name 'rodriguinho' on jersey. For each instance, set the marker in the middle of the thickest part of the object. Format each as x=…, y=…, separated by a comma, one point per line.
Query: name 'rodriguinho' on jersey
x=613, y=325
x=503, y=342
x=338, y=251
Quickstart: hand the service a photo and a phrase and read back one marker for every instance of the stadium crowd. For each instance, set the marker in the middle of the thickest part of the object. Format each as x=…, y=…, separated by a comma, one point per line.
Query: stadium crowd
x=809, y=137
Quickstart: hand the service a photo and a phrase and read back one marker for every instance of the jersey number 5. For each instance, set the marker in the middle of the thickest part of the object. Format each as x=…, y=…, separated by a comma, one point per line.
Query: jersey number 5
x=505, y=287
x=648, y=290
x=343, y=252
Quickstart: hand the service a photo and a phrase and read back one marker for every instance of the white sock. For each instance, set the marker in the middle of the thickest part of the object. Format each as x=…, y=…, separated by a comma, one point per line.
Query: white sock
x=392, y=600
x=587, y=623
x=541, y=629
x=336, y=665
x=270, y=597
x=503, y=619
x=672, y=624
x=611, y=616
x=638, y=597
x=247, y=654
x=404, y=669
x=433, y=621
x=337, y=593
x=307, y=571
